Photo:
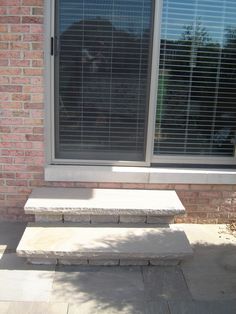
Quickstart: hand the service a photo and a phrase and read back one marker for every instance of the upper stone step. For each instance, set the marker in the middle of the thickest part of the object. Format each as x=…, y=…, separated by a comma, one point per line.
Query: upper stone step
x=77, y=201
x=68, y=243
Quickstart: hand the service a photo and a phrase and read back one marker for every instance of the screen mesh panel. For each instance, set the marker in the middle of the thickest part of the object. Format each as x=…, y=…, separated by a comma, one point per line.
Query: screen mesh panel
x=102, y=78
x=196, y=106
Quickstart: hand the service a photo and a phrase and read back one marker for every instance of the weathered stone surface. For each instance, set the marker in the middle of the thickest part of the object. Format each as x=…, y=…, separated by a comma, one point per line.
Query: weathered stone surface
x=70, y=241
x=132, y=219
x=72, y=261
x=134, y=262
x=42, y=261
x=77, y=218
x=100, y=262
x=160, y=220
x=104, y=219
x=48, y=218
x=159, y=262
x=203, y=307
x=99, y=201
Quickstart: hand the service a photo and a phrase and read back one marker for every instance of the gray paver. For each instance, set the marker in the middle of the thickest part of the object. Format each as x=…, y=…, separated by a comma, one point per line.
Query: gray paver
x=202, y=307
x=206, y=275
x=10, y=234
x=114, y=286
x=96, y=307
x=24, y=282
x=33, y=308
x=157, y=307
x=165, y=282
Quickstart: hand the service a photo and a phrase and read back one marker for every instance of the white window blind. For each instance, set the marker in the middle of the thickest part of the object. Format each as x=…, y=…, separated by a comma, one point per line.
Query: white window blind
x=102, y=78
x=196, y=106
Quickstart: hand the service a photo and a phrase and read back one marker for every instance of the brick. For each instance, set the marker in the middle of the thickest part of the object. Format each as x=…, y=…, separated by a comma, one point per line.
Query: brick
x=37, y=11
x=20, y=63
x=33, y=72
x=9, y=19
x=21, y=97
x=21, y=129
x=33, y=105
x=4, y=97
x=33, y=55
x=23, y=176
x=11, y=137
x=20, y=28
x=4, y=46
x=37, y=63
x=20, y=80
x=16, y=182
x=10, y=71
x=5, y=129
x=12, y=152
x=37, y=46
x=3, y=62
x=110, y=185
x=31, y=20
x=19, y=46
x=10, y=2
x=12, y=121
x=33, y=2
x=6, y=160
x=36, y=28
x=10, y=105
x=133, y=186
x=31, y=138
x=38, y=130
x=33, y=37
x=9, y=54
x=10, y=37
x=10, y=88
x=19, y=10
x=3, y=11
x=4, y=80
x=33, y=89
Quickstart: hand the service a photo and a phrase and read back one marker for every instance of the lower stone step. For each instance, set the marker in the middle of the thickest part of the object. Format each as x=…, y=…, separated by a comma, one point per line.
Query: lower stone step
x=69, y=244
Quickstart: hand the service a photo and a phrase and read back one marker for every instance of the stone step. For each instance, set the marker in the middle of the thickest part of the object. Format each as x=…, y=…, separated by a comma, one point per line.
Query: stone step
x=66, y=243
x=104, y=205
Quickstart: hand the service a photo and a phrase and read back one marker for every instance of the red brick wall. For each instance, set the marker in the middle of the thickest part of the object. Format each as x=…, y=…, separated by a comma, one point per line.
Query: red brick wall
x=21, y=125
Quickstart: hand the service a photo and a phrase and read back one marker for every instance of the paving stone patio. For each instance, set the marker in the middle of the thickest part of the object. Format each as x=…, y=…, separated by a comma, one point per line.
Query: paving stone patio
x=205, y=284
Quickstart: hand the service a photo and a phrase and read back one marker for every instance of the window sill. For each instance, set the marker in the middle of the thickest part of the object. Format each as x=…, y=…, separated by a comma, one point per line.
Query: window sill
x=138, y=175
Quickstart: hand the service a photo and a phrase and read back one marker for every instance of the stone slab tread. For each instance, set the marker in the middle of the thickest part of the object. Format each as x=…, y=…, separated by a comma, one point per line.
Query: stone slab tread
x=78, y=201
x=51, y=240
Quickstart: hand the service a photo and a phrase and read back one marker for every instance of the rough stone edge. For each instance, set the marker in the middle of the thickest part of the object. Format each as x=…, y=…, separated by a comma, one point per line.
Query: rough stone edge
x=103, y=262
x=102, y=211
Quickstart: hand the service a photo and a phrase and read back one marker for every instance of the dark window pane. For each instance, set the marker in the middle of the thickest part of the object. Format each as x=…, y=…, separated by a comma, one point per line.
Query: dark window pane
x=102, y=75
x=196, y=107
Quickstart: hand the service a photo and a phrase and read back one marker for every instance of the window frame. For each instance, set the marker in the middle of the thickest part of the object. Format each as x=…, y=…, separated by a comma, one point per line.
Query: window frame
x=150, y=158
